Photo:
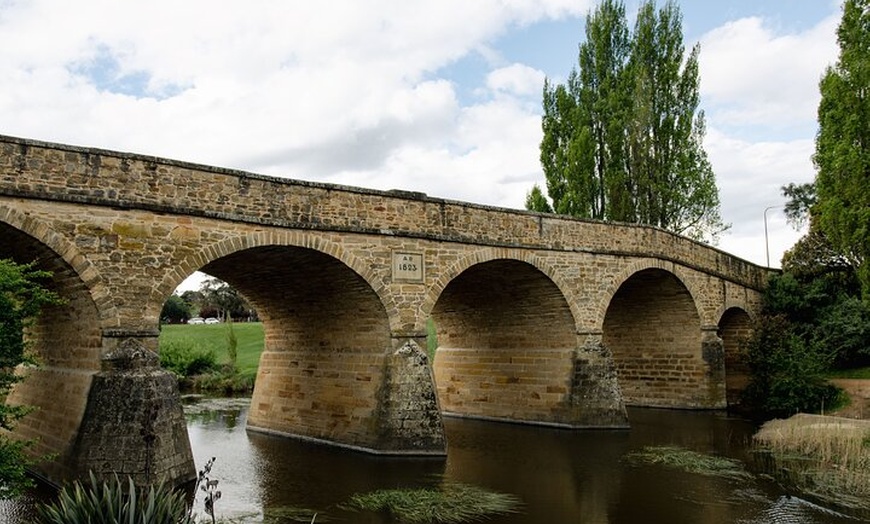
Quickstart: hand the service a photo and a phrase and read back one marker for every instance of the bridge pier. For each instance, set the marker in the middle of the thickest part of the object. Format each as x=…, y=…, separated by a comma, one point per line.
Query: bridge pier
x=409, y=416
x=595, y=399
x=713, y=354
x=380, y=402
x=133, y=422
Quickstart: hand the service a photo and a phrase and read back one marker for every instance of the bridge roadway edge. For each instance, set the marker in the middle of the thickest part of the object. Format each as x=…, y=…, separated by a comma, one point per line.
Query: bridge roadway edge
x=541, y=218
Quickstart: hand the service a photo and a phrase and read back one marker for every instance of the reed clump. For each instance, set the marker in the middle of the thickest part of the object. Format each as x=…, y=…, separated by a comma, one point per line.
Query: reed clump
x=451, y=503
x=825, y=458
x=675, y=457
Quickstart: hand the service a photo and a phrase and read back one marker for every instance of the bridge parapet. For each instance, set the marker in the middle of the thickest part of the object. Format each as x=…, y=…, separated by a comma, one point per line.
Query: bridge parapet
x=54, y=172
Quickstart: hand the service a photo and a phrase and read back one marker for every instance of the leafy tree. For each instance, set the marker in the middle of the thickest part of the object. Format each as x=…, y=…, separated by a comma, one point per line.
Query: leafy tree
x=787, y=375
x=175, y=310
x=224, y=300
x=583, y=148
x=536, y=201
x=813, y=255
x=842, y=155
x=824, y=311
x=22, y=296
x=623, y=139
x=800, y=200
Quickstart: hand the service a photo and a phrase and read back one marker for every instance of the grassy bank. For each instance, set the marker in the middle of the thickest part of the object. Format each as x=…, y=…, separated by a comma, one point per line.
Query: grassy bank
x=214, y=337
x=825, y=458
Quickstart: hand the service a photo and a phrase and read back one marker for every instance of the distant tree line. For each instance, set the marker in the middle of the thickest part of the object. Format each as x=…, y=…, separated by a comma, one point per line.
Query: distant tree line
x=214, y=299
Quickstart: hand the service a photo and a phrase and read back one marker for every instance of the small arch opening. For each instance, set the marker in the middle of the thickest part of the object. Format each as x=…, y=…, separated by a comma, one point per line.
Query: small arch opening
x=735, y=328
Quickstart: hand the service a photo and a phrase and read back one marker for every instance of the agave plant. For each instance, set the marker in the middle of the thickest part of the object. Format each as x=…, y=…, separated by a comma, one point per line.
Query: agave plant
x=112, y=502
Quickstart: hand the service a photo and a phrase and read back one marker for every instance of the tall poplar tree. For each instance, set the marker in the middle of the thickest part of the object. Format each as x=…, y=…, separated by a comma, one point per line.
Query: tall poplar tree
x=843, y=144
x=624, y=139
x=582, y=151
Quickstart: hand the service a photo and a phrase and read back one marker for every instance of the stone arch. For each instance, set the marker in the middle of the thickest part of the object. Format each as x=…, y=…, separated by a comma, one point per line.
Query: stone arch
x=327, y=335
x=66, y=338
x=653, y=329
x=506, y=337
x=640, y=265
x=263, y=239
x=734, y=328
x=62, y=249
x=486, y=255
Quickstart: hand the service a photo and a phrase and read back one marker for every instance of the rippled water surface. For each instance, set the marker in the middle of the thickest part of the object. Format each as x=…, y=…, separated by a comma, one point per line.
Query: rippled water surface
x=560, y=476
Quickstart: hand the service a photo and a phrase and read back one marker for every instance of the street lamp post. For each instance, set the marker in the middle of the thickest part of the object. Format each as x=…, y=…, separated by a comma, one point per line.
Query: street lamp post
x=766, y=245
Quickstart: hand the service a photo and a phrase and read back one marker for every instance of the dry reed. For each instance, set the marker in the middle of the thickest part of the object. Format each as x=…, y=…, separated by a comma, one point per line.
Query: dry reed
x=826, y=458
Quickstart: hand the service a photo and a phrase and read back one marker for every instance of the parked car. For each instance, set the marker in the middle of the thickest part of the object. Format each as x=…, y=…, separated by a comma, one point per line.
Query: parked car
x=212, y=320
x=196, y=320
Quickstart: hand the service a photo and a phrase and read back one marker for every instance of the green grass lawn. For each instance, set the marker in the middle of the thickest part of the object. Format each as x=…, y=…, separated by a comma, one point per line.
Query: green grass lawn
x=214, y=336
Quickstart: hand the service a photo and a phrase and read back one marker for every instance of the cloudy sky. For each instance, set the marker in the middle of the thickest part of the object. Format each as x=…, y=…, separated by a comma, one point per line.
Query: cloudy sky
x=440, y=96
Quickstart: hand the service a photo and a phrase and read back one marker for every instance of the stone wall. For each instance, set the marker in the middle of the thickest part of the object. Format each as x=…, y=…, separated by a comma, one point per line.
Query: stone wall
x=121, y=180
x=540, y=318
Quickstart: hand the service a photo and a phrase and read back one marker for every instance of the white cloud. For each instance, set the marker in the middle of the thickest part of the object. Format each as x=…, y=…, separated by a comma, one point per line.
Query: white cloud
x=752, y=76
x=750, y=176
x=759, y=86
x=516, y=79
x=300, y=89
x=355, y=93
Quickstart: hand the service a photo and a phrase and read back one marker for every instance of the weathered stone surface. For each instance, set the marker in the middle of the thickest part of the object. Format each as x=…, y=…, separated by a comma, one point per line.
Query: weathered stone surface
x=535, y=314
x=595, y=400
x=409, y=417
x=134, y=423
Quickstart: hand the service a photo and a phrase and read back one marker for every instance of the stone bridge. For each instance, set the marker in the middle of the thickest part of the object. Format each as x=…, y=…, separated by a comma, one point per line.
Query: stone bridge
x=540, y=319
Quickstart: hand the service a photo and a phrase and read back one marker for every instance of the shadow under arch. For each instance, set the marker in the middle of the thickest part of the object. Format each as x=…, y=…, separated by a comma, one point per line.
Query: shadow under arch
x=642, y=265
x=734, y=329
x=435, y=292
x=506, y=340
x=66, y=339
x=328, y=367
x=229, y=248
x=653, y=329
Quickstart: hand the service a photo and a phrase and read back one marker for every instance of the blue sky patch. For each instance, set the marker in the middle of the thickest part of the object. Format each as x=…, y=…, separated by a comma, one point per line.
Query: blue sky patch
x=105, y=73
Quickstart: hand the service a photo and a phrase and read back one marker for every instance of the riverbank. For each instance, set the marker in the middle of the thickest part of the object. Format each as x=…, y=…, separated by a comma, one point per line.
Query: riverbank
x=859, y=395
x=821, y=457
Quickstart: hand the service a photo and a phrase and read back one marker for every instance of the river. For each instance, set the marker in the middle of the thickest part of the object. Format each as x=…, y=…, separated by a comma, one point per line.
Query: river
x=558, y=475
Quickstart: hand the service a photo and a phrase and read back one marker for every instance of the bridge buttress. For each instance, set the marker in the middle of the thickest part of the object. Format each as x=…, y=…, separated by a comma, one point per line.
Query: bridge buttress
x=595, y=399
x=713, y=354
x=408, y=411
x=133, y=422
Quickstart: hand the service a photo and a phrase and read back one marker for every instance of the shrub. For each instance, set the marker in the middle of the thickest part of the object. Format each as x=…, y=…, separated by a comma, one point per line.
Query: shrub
x=224, y=381
x=113, y=502
x=186, y=358
x=787, y=372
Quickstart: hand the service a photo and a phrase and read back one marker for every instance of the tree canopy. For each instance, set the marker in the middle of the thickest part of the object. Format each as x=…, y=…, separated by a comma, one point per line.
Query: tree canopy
x=842, y=156
x=219, y=299
x=623, y=138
